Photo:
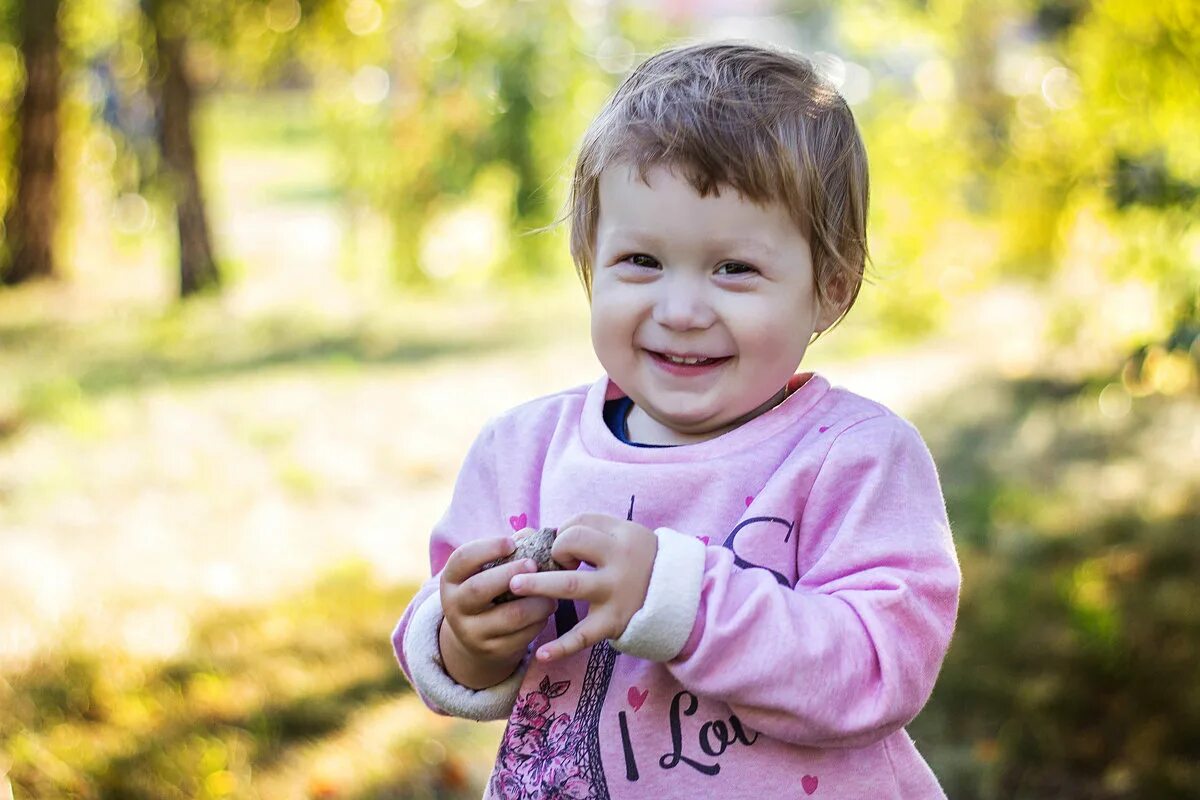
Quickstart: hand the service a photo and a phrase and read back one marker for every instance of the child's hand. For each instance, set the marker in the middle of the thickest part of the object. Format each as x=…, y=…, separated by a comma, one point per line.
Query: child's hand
x=622, y=553
x=482, y=643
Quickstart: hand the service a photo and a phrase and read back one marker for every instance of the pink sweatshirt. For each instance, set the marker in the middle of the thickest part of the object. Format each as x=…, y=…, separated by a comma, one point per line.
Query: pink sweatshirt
x=800, y=605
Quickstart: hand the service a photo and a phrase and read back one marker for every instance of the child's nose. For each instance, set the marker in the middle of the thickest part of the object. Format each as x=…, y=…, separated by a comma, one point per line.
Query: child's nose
x=682, y=305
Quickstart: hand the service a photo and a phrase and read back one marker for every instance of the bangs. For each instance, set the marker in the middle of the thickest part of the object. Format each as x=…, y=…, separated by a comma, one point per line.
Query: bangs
x=734, y=116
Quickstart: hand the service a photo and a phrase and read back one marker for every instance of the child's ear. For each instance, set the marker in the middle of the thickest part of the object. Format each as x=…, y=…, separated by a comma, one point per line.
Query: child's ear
x=833, y=302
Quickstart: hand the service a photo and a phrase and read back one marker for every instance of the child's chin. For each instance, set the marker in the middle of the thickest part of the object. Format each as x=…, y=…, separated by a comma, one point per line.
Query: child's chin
x=693, y=426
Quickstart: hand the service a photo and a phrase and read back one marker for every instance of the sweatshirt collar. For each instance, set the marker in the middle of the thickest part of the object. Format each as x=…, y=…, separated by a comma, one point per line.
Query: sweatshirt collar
x=599, y=441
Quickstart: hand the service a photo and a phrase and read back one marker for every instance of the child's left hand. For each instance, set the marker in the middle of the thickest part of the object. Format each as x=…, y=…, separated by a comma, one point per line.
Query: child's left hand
x=623, y=555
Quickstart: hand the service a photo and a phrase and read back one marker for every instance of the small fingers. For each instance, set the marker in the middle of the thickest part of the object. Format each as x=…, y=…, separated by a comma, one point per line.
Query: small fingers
x=590, y=631
x=580, y=543
x=466, y=560
x=493, y=633
x=506, y=618
x=477, y=592
x=524, y=533
x=519, y=640
x=567, y=584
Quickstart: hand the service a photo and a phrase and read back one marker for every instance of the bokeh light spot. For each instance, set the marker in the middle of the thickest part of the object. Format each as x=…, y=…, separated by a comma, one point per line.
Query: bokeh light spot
x=283, y=15
x=1114, y=401
x=132, y=214
x=934, y=80
x=832, y=67
x=1060, y=88
x=466, y=241
x=371, y=85
x=363, y=17
x=615, y=54
x=856, y=86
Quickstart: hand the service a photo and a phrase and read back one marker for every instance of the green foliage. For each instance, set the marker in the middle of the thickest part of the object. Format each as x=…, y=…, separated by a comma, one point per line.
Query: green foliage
x=1029, y=140
x=468, y=153
x=1051, y=141
x=1072, y=670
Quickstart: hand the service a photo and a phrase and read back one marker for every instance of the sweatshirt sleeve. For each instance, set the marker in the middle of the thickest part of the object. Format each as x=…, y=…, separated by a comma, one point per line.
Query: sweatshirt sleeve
x=849, y=654
x=474, y=513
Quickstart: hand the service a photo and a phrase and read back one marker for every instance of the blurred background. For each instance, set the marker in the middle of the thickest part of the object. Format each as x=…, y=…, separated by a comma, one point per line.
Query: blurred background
x=268, y=265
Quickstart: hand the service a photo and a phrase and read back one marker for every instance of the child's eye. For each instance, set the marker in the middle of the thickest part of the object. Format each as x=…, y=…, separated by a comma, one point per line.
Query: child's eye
x=735, y=268
x=642, y=260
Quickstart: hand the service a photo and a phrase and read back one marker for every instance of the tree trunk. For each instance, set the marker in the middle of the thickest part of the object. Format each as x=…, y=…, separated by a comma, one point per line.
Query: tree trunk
x=176, y=100
x=30, y=222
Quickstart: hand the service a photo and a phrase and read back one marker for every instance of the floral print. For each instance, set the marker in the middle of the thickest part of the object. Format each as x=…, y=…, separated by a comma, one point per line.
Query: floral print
x=537, y=757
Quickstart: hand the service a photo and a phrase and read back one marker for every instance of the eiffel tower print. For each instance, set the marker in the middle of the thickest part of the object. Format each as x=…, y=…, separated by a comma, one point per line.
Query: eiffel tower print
x=581, y=743
x=584, y=736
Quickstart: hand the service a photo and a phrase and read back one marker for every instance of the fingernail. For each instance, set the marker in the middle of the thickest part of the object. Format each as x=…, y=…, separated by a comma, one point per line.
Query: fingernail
x=543, y=655
x=530, y=564
x=517, y=583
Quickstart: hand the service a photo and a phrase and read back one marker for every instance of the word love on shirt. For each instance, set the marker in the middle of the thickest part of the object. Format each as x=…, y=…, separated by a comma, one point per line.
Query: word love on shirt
x=713, y=739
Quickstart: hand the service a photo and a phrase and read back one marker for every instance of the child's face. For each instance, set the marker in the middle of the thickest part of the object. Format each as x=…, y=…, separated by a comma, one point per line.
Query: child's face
x=718, y=277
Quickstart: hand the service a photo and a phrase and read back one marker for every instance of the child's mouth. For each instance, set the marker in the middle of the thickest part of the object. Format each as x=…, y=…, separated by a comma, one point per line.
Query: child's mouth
x=686, y=365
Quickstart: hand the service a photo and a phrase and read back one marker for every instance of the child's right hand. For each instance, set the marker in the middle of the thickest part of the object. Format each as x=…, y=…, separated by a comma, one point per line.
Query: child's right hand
x=483, y=643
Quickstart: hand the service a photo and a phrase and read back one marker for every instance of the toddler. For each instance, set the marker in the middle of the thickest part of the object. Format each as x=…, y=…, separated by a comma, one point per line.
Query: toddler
x=759, y=584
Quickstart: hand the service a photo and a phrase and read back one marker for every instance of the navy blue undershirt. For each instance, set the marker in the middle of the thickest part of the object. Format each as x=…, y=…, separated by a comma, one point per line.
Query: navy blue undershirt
x=616, y=412
x=616, y=416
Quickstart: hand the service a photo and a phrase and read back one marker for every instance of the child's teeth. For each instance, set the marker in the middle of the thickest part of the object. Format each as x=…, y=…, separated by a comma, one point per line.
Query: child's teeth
x=686, y=360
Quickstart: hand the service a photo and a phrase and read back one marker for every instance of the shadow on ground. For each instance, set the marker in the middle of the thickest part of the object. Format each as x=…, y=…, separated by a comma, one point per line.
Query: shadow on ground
x=58, y=366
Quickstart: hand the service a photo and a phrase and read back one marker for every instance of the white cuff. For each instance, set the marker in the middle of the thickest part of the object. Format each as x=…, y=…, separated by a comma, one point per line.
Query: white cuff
x=424, y=654
x=660, y=629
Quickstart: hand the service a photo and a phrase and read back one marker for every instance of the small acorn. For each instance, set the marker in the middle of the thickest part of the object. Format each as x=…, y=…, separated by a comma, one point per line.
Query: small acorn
x=535, y=544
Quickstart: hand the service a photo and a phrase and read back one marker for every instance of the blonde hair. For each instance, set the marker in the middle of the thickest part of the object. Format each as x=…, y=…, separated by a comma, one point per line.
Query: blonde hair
x=737, y=115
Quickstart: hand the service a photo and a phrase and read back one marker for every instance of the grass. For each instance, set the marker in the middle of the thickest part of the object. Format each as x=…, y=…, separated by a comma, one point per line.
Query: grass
x=52, y=368
x=1071, y=670
x=298, y=698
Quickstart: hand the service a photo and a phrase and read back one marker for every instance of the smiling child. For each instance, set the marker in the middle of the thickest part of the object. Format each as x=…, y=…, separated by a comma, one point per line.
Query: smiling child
x=760, y=583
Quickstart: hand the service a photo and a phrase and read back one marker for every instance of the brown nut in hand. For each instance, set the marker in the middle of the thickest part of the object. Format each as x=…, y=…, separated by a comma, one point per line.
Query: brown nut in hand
x=535, y=545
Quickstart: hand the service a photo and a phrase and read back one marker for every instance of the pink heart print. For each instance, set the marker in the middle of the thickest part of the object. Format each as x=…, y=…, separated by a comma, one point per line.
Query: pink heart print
x=703, y=539
x=636, y=698
x=749, y=500
x=809, y=782
x=518, y=522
